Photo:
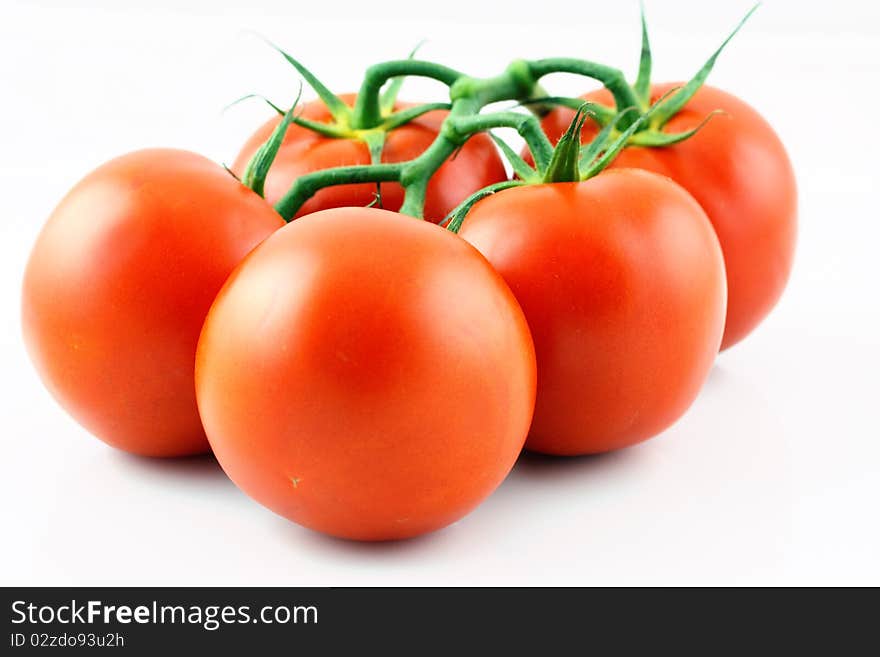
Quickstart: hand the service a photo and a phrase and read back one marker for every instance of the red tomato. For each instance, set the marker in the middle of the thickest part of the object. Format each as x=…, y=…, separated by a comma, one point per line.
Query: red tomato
x=738, y=170
x=622, y=283
x=366, y=374
x=477, y=165
x=119, y=283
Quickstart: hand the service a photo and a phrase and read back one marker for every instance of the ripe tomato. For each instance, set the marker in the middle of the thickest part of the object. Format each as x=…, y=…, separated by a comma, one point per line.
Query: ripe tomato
x=738, y=170
x=477, y=165
x=622, y=283
x=119, y=283
x=366, y=374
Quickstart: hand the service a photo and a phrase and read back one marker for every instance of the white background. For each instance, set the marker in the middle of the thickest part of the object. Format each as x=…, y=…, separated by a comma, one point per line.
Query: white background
x=773, y=477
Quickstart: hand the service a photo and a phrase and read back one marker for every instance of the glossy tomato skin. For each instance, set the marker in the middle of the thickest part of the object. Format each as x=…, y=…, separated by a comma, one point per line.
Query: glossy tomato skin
x=475, y=166
x=367, y=375
x=739, y=171
x=622, y=283
x=119, y=283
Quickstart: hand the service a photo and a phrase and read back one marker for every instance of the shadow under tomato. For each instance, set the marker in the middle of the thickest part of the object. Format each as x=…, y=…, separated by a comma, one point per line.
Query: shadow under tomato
x=718, y=377
x=531, y=471
x=538, y=467
x=202, y=467
x=544, y=468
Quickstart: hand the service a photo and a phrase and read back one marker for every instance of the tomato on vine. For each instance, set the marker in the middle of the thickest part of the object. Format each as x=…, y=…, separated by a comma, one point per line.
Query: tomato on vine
x=373, y=376
x=621, y=280
x=117, y=287
x=366, y=374
x=736, y=168
x=332, y=132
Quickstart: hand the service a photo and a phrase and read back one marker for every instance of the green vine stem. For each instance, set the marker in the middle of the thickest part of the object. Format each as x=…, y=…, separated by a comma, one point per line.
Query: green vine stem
x=367, y=111
x=613, y=79
x=632, y=122
x=308, y=185
x=468, y=97
x=527, y=126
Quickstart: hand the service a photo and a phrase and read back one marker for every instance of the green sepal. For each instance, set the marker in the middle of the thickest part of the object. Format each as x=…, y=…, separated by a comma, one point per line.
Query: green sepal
x=621, y=141
x=642, y=87
x=338, y=109
x=326, y=129
x=519, y=165
x=590, y=151
x=410, y=113
x=674, y=104
x=655, y=139
x=259, y=97
x=454, y=219
x=389, y=96
x=600, y=113
x=230, y=171
x=257, y=169
x=565, y=164
x=613, y=149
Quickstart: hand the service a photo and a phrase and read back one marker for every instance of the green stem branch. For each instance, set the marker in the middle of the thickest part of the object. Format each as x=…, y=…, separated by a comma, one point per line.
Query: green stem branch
x=308, y=185
x=613, y=79
x=367, y=111
x=528, y=127
x=468, y=97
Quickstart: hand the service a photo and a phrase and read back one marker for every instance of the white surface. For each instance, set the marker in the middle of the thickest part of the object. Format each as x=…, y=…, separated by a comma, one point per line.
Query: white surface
x=772, y=477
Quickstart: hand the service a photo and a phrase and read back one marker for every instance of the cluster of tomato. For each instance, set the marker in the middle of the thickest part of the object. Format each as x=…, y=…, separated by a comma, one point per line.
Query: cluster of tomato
x=375, y=376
